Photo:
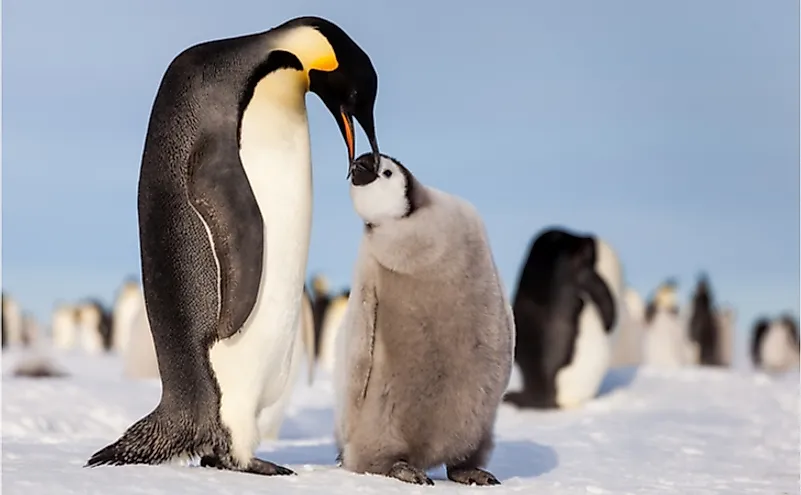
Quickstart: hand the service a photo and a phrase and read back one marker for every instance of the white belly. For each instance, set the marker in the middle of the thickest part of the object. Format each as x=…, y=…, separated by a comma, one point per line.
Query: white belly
x=664, y=342
x=252, y=367
x=91, y=341
x=776, y=348
x=580, y=380
x=63, y=329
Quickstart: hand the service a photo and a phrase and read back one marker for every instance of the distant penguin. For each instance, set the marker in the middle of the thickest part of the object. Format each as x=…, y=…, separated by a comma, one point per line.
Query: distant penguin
x=12, y=322
x=321, y=298
x=126, y=307
x=665, y=343
x=564, y=312
x=704, y=325
x=332, y=320
x=139, y=353
x=428, y=337
x=94, y=327
x=224, y=208
x=727, y=324
x=64, y=330
x=307, y=332
x=627, y=346
x=272, y=417
x=30, y=330
x=775, y=344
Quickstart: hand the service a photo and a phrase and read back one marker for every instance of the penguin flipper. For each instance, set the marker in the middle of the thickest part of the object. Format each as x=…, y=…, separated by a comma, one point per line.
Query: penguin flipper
x=602, y=297
x=221, y=195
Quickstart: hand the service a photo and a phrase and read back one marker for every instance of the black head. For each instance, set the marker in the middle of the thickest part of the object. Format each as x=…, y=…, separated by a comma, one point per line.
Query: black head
x=342, y=75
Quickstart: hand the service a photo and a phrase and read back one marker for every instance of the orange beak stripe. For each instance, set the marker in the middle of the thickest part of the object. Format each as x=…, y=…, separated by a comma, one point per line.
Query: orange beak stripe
x=349, y=136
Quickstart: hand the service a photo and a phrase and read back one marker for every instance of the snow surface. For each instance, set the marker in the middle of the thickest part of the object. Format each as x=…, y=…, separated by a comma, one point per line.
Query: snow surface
x=683, y=431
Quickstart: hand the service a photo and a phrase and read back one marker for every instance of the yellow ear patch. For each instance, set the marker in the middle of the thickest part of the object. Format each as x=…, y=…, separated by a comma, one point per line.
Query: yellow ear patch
x=310, y=46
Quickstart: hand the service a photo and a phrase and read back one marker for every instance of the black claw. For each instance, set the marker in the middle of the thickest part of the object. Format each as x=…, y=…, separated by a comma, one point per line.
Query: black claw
x=267, y=468
x=403, y=471
x=256, y=466
x=473, y=476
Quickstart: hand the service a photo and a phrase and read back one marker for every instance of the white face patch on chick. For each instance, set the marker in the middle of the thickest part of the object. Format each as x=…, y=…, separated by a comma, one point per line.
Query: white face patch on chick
x=382, y=195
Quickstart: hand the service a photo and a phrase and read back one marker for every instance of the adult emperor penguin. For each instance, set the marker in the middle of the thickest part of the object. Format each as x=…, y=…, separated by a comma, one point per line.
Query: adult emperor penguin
x=704, y=325
x=64, y=326
x=12, y=321
x=627, y=346
x=225, y=202
x=775, y=346
x=94, y=327
x=565, y=307
x=426, y=357
x=139, y=352
x=665, y=343
x=127, y=304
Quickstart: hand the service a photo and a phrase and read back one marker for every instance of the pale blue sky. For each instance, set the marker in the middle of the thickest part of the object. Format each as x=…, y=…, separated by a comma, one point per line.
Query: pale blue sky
x=670, y=128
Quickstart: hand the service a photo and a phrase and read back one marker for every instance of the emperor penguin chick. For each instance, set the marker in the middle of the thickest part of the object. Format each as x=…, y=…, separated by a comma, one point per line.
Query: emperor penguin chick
x=427, y=340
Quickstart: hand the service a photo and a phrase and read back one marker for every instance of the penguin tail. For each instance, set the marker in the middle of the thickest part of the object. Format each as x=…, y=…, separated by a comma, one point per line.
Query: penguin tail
x=151, y=440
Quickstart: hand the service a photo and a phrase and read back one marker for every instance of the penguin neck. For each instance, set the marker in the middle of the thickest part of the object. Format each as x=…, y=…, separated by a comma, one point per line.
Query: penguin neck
x=274, y=147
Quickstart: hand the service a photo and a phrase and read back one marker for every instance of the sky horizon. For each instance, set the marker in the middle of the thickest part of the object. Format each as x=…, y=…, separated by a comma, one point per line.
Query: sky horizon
x=669, y=130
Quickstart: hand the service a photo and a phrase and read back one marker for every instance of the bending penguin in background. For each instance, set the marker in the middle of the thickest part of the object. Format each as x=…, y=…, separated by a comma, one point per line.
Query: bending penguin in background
x=564, y=309
x=419, y=384
x=775, y=344
x=224, y=206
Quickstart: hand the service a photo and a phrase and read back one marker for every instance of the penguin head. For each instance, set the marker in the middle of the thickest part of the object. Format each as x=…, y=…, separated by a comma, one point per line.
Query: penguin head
x=320, y=284
x=666, y=297
x=381, y=191
x=340, y=73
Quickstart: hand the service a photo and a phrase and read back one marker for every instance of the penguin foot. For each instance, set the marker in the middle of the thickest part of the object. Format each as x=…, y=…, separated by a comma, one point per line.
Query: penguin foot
x=518, y=399
x=522, y=400
x=472, y=476
x=403, y=471
x=256, y=466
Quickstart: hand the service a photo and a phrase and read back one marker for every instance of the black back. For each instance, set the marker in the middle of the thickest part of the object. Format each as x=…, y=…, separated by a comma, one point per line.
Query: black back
x=704, y=324
x=559, y=271
x=757, y=334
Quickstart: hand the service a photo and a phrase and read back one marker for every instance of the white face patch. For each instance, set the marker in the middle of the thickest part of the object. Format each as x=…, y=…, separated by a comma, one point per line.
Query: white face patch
x=383, y=199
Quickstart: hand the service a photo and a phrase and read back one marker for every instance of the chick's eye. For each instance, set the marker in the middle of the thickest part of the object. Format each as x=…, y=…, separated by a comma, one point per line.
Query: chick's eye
x=387, y=173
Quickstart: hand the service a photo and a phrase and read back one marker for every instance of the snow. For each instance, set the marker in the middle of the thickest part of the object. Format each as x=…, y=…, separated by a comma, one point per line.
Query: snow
x=678, y=431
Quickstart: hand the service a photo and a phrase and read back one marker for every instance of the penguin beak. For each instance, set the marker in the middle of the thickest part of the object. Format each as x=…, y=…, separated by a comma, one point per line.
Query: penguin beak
x=345, y=121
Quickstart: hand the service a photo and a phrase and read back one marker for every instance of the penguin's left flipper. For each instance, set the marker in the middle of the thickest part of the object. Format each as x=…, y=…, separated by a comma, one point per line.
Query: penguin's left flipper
x=256, y=466
x=235, y=224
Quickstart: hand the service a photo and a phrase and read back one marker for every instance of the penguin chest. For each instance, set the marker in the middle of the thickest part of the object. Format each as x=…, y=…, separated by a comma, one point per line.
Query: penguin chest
x=775, y=348
x=255, y=362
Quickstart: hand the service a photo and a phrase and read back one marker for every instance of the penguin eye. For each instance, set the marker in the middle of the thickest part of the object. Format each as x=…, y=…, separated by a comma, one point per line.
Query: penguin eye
x=387, y=173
